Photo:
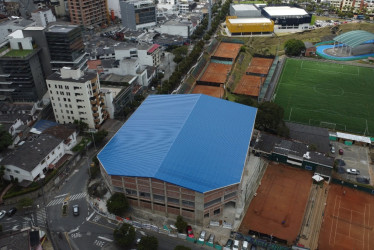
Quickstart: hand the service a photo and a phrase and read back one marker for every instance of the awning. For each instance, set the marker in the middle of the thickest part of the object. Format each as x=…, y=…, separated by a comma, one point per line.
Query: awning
x=317, y=178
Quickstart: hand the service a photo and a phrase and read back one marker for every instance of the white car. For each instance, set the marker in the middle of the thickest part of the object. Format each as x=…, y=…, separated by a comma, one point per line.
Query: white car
x=353, y=171
x=202, y=236
x=245, y=245
x=236, y=244
x=2, y=213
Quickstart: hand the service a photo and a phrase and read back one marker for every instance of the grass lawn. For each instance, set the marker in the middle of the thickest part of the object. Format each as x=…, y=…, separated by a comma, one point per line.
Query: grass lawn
x=330, y=95
x=18, y=53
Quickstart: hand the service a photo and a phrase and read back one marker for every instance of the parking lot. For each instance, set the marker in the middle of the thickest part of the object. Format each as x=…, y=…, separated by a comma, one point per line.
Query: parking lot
x=354, y=157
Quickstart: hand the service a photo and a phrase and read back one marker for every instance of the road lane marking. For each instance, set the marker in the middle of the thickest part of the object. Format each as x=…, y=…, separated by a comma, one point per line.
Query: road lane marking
x=101, y=225
x=73, y=230
x=69, y=197
x=103, y=238
x=58, y=196
x=68, y=240
x=89, y=217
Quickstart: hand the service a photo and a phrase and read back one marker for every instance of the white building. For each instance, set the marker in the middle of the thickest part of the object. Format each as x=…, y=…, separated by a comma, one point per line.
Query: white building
x=186, y=6
x=75, y=95
x=149, y=55
x=39, y=153
x=182, y=28
x=43, y=17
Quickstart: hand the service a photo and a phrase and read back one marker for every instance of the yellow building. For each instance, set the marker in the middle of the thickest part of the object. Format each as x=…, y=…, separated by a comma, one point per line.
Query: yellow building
x=249, y=26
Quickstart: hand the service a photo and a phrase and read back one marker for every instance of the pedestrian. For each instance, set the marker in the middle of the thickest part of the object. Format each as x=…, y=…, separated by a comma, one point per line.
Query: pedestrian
x=344, y=192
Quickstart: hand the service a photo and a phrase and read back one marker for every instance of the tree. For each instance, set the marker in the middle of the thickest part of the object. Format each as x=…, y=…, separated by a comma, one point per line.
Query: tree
x=117, y=204
x=148, y=243
x=294, y=47
x=181, y=224
x=5, y=138
x=2, y=172
x=99, y=136
x=25, y=202
x=125, y=235
x=82, y=126
x=180, y=247
x=270, y=119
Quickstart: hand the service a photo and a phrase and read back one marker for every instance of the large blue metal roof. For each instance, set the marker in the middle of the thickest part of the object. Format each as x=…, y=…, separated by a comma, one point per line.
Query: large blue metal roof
x=194, y=141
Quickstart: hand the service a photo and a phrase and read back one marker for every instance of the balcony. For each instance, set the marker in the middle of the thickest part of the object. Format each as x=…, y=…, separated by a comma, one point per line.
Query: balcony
x=94, y=108
x=94, y=87
x=96, y=114
x=94, y=102
x=97, y=120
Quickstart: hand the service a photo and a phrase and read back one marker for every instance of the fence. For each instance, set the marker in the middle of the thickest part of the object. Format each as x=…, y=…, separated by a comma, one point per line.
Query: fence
x=366, y=188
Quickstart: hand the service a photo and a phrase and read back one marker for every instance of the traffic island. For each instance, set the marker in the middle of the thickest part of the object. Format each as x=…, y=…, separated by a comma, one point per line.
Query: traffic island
x=65, y=208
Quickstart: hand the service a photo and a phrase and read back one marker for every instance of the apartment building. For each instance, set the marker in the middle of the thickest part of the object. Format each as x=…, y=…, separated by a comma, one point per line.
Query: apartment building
x=66, y=46
x=138, y=14
x=21, y=73
x=43, y=17
x=75, y=95
x=88, y=12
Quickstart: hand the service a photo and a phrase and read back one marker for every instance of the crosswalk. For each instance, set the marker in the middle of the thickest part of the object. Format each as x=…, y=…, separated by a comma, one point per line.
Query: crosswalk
x=40, y=217
x=69, y=198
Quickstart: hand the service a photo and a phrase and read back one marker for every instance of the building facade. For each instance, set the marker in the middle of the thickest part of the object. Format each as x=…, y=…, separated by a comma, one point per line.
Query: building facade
x=66, y=46
x=21, y=73
x=88, y=12
x=76, y=96
x=138, y=14
x=43, y=17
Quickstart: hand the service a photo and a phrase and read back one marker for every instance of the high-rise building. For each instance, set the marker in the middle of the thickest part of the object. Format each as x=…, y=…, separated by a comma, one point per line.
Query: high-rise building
x=138, y=14
x=88, y=12
x=21, y=73
x=66, y=46
x=75, y=95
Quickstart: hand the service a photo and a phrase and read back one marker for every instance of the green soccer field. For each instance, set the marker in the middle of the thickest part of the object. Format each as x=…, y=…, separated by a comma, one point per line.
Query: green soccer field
x=336, y=96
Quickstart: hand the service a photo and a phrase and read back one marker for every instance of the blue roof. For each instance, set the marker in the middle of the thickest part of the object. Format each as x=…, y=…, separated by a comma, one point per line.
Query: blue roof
x=194, y=141
x=44, y=124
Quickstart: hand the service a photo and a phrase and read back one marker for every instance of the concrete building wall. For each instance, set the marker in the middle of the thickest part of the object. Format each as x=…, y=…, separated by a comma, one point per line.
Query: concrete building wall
x=176, y=30
x=88, y=12
x=39, y=79
x=128, y=15
x=43, y=17
x=72, y=100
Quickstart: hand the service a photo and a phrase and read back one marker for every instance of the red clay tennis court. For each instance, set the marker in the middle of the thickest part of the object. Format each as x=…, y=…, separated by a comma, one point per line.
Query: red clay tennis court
x=278, y=208
x=208, y=90
x=249, y=85
x=216, y=73
x=348, y=220
x=227, y=50
x=260, y=65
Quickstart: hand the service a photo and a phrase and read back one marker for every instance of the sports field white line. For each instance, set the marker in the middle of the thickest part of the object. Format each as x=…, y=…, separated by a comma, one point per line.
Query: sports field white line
x=289, y=117
x=332, y=221
x=337, y=221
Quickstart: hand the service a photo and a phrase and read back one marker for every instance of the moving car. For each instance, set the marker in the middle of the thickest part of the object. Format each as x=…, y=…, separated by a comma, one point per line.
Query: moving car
x=332, y=149
x=76, y=210
x=236, y=245
x=2, y=214
x=190, y=232
x=341, y=152
x=353, y=171
x=12, y=211
x=202, y=236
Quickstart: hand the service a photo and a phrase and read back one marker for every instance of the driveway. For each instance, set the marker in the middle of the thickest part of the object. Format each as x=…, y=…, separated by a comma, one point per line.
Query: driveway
x=354, y=157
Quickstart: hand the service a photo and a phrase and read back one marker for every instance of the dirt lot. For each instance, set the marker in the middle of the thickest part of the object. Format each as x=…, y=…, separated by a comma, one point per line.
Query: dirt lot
x=281, y=200
x=349, y=220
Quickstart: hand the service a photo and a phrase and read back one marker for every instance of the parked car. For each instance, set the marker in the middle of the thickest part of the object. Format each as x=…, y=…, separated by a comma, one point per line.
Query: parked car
x=332, y=149
x=12, y=211
x=229, y=243
x=190, y=232
x=236, y=245
x=353, y=171
x=76, y=210
x=202, y=236
x=211, y=239
x=2, y=214
x=341, y=152
x=245, y=245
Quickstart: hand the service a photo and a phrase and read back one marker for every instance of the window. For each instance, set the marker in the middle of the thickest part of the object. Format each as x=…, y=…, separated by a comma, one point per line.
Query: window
x=217, y=211
x=144, y=194
x=64, y=99
x=66, y=105
x=173, y=200
x=8, y=170
x=208, y=204
x=66, y=87
x=159, y=197
x=230, y=195
x=188, y=203
x=68, y=93
x=131, y=192
x=16, y=171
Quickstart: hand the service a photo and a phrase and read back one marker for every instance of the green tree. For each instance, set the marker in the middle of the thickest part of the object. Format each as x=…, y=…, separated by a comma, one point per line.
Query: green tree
x=270, y=119
x=117, y=204
x=180, y=247
x=148, y=243
x=82, y=126
x=25, y=202
x=125, y=235
x=5, y=138
x=100, y=135
x=180, y=224
x=294, y=47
